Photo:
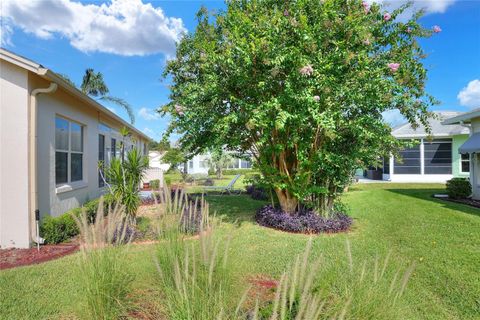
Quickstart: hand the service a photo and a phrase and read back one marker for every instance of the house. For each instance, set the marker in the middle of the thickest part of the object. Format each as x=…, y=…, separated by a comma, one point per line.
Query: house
x=470, y=148
x=52, y=138
x=435, y=158
x=199, y=164
x=155, y=160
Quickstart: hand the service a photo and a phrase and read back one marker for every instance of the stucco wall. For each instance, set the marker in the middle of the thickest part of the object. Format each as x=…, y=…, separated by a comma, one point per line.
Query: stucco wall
x=14, y=182
x=475, y=164
x=56, y=199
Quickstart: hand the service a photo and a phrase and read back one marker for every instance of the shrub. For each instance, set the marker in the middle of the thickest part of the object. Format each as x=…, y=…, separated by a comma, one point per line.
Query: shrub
x=459, y=188
x=188, y=178
x=154, y=184
x=209, y=182
x=305, y=221
x=168, y=181
x=59, y=229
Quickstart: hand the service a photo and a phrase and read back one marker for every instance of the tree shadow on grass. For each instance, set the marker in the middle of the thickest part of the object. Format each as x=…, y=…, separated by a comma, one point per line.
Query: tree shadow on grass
x=427, y=194
x=234, y=209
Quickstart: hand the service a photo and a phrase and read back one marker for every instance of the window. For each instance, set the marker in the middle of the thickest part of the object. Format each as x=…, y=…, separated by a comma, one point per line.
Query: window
x=68, y=151
x=409, y=163
x=101, y=159
x=190, y=164
x=438, y=157
x=245, y=164
x=203, y=164
x=113, y=148
x=465, y=163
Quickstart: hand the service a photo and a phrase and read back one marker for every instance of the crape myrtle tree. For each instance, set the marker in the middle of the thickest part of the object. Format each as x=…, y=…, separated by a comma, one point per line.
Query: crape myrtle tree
x=301, y=85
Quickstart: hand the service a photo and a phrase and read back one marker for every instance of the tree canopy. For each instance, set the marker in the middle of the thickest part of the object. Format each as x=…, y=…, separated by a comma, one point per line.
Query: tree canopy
x=302, y=85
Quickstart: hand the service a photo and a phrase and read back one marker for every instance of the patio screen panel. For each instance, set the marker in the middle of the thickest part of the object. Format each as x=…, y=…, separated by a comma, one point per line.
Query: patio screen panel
x=409, y=162
x=438, y=156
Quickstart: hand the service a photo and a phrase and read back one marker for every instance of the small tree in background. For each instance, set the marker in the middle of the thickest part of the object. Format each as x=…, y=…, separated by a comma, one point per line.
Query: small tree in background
x=302, y=85
x=218, y=161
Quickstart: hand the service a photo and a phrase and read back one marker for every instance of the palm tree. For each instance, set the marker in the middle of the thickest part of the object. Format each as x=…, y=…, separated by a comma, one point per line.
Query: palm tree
x=94, y=86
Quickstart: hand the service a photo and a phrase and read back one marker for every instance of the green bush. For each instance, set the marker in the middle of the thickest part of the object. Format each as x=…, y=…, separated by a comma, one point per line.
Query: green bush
x=459, y=188
x=168, y=181
x=59, y=229
x=155, y=184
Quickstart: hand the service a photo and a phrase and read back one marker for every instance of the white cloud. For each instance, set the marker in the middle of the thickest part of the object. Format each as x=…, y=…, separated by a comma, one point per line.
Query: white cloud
x=393, y=118
x=124, y=27
x=148, y=114
x=430, y=6
x=470, y=95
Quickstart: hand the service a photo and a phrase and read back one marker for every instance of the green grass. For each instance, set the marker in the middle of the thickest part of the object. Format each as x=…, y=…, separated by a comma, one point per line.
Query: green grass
x=442, y=238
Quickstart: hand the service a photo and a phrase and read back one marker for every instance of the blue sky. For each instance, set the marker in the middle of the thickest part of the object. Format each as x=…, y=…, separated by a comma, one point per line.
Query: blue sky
x=131, y=51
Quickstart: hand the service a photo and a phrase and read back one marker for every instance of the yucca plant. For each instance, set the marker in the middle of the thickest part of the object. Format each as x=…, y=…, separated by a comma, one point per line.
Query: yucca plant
x=104, y=281
x=123, y=179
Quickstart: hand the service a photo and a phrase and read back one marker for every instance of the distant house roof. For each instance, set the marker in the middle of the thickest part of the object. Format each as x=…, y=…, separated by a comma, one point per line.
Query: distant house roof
x=49, y=75
x=464, y=117
x=438, y=127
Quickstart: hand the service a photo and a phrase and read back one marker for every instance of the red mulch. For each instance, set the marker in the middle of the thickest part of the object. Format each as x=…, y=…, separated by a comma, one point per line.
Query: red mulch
x=11, y=258
x=263, y=289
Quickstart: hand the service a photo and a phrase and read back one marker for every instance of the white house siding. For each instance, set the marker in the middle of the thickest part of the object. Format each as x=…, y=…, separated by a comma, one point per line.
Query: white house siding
x=14, y=178
x=56, y=199
x=475, y=163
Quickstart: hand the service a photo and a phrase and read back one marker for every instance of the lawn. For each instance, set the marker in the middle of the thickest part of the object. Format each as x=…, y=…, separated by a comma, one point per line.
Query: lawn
x=442, y=238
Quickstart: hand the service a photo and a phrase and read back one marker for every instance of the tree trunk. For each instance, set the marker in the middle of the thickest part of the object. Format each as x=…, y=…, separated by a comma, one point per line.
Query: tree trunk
x=288, y=203
x=219, y=173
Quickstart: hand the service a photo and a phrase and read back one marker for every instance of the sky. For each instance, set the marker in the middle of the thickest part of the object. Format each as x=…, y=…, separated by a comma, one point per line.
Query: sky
x=129, y=41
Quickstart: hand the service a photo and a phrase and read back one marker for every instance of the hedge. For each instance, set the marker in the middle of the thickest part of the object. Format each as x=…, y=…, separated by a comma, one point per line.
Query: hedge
x=459, y=188
x=59, y=229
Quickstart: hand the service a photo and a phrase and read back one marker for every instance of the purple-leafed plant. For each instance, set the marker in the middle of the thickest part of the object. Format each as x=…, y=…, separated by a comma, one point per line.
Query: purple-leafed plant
x=304, y=221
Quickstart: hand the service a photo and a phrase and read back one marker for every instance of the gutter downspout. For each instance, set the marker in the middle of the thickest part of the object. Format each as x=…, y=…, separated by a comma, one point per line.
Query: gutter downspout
x=33, y=141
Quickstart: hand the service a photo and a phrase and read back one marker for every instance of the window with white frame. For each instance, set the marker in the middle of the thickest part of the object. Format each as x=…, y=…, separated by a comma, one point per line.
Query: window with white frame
x=465, y=163
x=68, y=151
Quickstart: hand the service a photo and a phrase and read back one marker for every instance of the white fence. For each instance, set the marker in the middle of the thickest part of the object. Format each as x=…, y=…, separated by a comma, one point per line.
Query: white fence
x=153, y=174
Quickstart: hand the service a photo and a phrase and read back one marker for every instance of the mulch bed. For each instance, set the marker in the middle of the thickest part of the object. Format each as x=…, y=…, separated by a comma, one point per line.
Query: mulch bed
x=469, y=202
x=11, y=258
x=305, y=221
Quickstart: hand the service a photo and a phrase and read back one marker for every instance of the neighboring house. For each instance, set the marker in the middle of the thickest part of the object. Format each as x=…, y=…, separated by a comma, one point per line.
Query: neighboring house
x=52, y=138
x=155, y=161
x=471, y=147
x=199, y=164
x=435, y=158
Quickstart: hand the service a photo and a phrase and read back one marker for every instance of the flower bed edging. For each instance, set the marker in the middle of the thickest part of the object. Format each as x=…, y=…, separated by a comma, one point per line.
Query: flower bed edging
x=302, y=222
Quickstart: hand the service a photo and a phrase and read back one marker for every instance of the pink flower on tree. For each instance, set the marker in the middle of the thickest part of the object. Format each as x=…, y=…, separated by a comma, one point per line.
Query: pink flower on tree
x=179, y=110
x=285, y=13
x=393, y=66
x=387, y=16
x=306, y=70
x=366, y=42
x=437, y=29
x=409, y=30
x=366, y=6
x=316, y=98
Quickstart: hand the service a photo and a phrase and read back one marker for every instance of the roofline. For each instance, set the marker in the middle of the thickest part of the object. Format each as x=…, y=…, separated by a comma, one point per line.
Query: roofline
x=463, y=118
x=52, y=76
x=422, y=135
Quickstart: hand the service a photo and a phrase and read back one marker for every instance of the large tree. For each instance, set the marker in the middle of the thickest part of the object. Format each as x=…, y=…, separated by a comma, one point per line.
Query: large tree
x=302, y=85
